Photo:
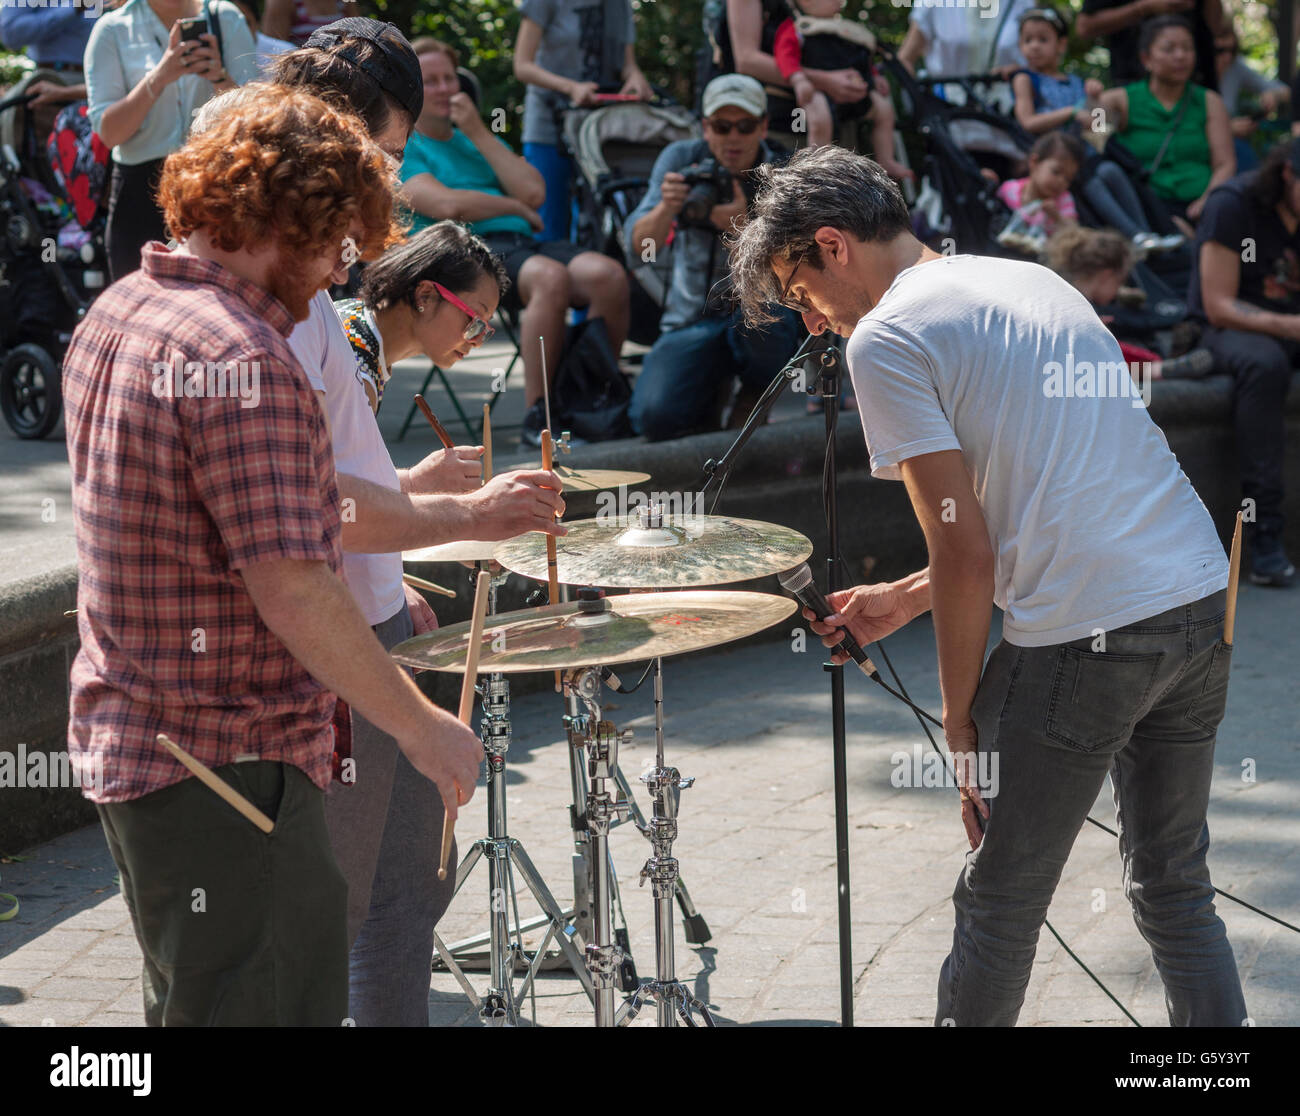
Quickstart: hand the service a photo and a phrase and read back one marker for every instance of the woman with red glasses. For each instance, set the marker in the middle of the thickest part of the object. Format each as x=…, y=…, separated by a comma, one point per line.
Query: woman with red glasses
x=432, y=295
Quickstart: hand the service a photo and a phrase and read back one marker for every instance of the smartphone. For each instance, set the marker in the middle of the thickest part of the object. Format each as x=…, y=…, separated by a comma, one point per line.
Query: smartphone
x=192, y=28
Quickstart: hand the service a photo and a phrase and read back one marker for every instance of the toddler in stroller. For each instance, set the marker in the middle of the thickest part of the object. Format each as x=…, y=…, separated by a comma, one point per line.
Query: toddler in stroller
x=51, y=248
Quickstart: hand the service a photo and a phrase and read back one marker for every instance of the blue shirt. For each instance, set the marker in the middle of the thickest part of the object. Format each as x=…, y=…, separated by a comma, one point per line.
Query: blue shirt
x=126, y=44
x=1056, y=93
x=50, y=34
x=458, y=165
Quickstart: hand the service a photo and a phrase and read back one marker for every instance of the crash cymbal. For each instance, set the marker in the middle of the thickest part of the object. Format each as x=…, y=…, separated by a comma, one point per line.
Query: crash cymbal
x=463, y=550
x=632, y=552
x=605, y=631
x=591, y=480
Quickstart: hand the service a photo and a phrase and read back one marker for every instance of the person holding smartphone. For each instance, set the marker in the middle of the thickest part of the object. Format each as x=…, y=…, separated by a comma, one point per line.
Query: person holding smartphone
x=147, y=71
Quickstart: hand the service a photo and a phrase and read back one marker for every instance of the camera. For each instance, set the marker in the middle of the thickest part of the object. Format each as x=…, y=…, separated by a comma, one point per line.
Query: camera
x=709, y=184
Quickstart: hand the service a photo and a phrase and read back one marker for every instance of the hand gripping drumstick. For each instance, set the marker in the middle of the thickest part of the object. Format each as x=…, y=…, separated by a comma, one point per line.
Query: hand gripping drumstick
x=212, y=781
x=467, y=695
x=1234, y=572
x=552, y=562
x=438, y=428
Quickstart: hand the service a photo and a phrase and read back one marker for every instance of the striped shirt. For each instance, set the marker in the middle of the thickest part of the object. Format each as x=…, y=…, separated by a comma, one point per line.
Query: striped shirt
x=197, y=450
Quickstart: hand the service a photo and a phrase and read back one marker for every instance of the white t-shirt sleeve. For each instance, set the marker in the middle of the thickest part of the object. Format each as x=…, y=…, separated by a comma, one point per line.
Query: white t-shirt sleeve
x=902, y=415
x=310, y=343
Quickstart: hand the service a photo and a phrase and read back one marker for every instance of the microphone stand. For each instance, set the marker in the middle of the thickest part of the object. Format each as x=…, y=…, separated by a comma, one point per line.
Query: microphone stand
x=829, y=367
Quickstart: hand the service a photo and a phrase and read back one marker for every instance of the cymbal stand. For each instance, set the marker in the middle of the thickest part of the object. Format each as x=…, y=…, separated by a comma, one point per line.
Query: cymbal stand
x=673, y=1000
x=601, y=739
x=505, y=854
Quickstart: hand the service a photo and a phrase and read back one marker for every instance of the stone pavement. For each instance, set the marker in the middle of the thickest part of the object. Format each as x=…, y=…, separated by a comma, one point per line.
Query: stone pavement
x=758, y=854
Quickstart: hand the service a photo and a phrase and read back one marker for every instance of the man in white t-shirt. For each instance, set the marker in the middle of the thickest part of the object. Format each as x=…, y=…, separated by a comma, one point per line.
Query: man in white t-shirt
x=994, y=392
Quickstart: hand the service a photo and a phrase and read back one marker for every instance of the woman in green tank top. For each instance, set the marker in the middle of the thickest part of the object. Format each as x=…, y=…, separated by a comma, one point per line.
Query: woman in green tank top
x=1169, y=112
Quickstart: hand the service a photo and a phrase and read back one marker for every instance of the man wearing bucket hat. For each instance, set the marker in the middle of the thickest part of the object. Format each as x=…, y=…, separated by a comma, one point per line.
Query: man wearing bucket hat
x=698, y=192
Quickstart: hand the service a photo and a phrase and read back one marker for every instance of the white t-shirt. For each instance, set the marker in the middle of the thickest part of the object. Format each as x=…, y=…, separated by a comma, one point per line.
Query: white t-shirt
x=959, y=39
x=327, y=357
x=1092, y=522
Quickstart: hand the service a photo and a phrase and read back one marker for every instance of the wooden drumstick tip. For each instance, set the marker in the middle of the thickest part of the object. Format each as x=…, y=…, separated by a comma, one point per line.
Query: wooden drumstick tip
x=438, y=428
x=487, y=442
x=477, y=619
x=1234, y=576
x=216, y=784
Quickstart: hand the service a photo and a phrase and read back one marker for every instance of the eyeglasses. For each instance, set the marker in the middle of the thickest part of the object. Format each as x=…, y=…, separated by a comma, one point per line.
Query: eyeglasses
x=744, y=127
x=799, y=307
x=477, y=326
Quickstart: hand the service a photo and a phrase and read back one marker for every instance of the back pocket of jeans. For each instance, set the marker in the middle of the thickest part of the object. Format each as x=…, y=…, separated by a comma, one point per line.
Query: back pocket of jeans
x=1207, y=710
x=1096, y=697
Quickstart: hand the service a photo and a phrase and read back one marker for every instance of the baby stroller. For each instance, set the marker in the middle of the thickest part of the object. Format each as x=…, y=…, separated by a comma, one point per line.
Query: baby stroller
x=52, y=257
x=614, y=148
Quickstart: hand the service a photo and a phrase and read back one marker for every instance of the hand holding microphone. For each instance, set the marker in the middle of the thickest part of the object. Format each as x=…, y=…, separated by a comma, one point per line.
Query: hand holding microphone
x=851, y=617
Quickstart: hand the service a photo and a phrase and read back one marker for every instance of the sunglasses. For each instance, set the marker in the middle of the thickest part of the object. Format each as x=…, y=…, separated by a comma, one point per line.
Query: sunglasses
x=744, y=127
x=784, y=299
x=477, y=326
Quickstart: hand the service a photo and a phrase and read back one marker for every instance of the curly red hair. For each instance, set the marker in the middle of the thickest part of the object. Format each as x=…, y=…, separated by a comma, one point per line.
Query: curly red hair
x=281, y=165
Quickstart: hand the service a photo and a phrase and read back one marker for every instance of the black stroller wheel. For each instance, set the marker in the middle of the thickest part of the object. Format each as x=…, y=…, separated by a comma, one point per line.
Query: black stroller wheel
x=31, y=396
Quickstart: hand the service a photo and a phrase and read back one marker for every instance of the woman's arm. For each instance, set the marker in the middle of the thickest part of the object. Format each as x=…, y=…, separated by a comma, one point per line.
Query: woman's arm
x=518, y=178
x=1114, y=103
x=745, y=24
x=427, y=196
x=1223, y=156
x=635, y=82
x=116, y=112
x=278, y=19
x=913, y=48
x=1030, y=119
x=526, y=68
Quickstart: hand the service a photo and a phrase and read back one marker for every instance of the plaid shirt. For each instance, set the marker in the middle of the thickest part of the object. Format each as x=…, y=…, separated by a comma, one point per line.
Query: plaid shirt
x=172, y=497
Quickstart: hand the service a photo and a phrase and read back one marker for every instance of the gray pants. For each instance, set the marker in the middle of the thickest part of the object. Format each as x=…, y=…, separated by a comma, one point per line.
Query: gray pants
x=386, y=831
x=1057, y=719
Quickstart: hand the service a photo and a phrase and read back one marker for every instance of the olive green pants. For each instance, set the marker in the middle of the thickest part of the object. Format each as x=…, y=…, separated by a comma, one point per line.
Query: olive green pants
x=238, y=928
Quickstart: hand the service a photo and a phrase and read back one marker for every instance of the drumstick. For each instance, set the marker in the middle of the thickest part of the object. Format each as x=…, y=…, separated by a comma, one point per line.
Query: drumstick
x=487, y=442
x=438, y=428
x=552, y=561
x=428, y=586
x=1234, y=571
x=467, y=695
x=214, y=782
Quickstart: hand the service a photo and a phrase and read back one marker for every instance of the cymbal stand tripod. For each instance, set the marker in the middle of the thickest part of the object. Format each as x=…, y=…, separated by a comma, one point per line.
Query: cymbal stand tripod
x=505, y=854
x=673, y=1000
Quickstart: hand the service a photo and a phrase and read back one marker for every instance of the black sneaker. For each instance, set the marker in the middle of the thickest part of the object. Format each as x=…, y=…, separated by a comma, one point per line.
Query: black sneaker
x=1269, y=564
x=1189, y=366
x=534, y=423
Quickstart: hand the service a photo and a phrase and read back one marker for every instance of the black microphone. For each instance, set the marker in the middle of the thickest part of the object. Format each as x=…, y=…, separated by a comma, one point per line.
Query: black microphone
x=798, y=582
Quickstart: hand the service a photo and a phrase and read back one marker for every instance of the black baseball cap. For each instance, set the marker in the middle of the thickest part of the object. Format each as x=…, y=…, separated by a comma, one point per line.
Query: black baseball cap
x=396, y=67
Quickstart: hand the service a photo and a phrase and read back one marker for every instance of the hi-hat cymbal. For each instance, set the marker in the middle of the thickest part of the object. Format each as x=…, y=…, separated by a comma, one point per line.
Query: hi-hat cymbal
x=463, y=550
x=591, y=480
x=612, y=630
x=632, y=553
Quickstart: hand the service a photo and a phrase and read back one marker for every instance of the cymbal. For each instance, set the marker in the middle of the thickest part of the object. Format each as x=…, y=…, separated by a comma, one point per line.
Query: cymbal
x=591, y=480
x=611, y=630
x=463, y=550
x=630, y=553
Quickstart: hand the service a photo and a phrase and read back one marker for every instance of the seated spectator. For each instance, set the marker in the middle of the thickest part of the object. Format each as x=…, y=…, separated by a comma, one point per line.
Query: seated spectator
x=704, y=343
x=1175, y=129
x=267, y=47
x=1054, y=161
x=456, y=168
x=294, y=20
x=1243, y=88
x=1119, y=22
x=1047, y=98
x=965, y=39
x=1096, y=262
x=817, y=37
x=1246, y=289
x=134, y=56
x=565, y=53
x=55, y=39
x=433, y=295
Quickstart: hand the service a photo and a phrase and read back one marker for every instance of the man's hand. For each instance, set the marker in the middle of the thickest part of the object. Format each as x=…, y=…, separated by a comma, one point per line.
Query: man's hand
x=869, y=612
x=637, y=86
x=458, y=469
x=450, y=755
x=515, y=503
x=963, y=742
x=1093, y=88
x=1242, y=126
x=672, y=192
x=722, y=216
x=52, y=93
x=582, y=93
x=422, y=614
x=465, y=116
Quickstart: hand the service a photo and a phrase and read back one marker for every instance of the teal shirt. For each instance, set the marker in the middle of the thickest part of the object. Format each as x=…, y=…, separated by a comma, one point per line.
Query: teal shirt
x=458, y=165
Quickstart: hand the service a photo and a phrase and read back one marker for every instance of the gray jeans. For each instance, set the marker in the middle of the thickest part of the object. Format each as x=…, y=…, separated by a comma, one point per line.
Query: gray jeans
x=1057, y=718
x=386, y=830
